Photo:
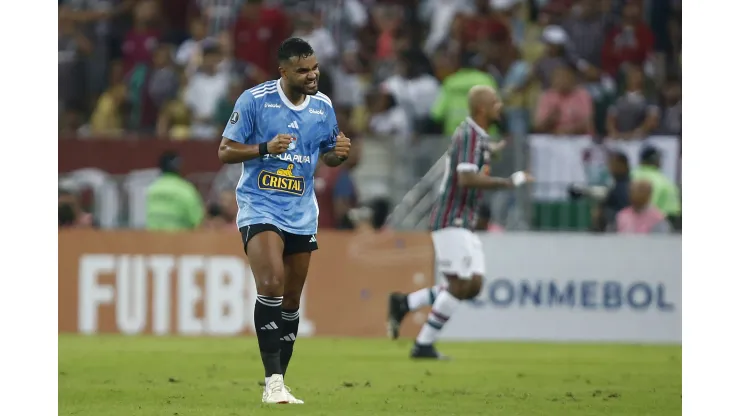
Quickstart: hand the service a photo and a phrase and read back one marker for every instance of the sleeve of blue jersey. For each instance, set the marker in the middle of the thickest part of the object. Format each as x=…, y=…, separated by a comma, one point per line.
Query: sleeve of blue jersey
x=329, y=141
x=239, y=128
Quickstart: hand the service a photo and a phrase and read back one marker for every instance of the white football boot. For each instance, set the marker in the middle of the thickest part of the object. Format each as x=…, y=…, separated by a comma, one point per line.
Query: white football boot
x=275, y=391
x=292, y=399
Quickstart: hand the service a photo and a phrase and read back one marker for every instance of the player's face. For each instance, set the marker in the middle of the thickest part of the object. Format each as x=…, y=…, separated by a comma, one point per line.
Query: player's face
x=494, y=107
x=302, y=74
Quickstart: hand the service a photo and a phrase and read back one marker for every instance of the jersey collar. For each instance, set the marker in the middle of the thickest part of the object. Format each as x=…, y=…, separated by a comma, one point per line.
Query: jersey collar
x=287, y=102
x=477, y=128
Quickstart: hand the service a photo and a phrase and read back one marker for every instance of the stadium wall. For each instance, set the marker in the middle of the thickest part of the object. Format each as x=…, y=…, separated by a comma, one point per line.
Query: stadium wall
x=542, y=287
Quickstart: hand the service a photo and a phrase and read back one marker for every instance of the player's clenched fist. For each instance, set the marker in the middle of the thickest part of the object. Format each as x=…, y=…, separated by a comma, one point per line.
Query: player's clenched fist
x=343, y=146
x=279, y=144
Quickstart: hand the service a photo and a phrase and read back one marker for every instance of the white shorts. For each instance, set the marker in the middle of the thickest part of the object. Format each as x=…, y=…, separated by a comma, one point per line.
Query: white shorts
x=459, y=252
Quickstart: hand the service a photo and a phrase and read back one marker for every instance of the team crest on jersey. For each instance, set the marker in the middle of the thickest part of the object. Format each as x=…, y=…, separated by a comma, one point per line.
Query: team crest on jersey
x=282, y=180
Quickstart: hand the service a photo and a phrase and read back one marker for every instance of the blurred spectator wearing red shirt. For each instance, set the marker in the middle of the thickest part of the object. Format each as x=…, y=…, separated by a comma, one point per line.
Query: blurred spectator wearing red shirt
x=388, y=21
x=336, y=195
x=176, y=17
x=483, y=25
x=630, y=42
x=334, y=187
x=142, y=40
x=258, y=32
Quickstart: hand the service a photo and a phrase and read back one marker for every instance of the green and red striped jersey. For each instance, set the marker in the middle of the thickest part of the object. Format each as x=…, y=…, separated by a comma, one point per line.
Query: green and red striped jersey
x=469, y=152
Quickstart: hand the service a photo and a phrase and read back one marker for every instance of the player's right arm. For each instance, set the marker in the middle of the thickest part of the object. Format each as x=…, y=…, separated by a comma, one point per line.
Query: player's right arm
x=239, y=143
x=464, y=155
x=469, y=179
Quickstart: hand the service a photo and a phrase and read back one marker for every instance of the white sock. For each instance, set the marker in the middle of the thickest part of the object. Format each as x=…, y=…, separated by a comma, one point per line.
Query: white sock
x=442, y=309
x=423, y=297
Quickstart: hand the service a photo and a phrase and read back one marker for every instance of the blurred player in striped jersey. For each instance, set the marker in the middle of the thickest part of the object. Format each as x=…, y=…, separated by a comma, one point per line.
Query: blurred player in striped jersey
x=458, y=251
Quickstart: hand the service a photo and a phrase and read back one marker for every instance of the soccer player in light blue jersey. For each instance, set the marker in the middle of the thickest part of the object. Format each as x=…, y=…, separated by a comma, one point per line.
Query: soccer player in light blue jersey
x=278, y=131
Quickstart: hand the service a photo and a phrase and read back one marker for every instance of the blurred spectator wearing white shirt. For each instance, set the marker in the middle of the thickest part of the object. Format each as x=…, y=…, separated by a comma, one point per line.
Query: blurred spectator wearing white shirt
x=440, y=14
x=219, y=14
x=388, y=118
x=414, y=90
x=555, y=40
x=348, y=80
x=308, y=26
x=190, y=52
x=203, y=92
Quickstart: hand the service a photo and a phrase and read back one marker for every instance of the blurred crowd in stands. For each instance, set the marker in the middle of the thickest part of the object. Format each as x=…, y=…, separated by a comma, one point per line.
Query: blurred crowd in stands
x=172, y=69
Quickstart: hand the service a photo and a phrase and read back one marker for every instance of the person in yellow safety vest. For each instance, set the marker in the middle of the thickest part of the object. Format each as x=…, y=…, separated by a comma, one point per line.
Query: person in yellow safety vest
x=172, y=202
x=665, y=192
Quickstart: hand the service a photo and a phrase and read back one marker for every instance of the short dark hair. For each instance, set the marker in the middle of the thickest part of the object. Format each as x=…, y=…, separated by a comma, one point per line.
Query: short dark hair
x=65, y=192
x=392, y=101
x=169, y=162
x=381, y=209
x=649, y=155
x=215, y=210
x=211, y=49
x=621, y=157
x=293, y=47
x=67, y=215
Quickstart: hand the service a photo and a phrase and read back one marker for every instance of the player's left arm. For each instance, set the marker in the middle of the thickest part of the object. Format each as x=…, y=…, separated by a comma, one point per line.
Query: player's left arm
x=335, y=146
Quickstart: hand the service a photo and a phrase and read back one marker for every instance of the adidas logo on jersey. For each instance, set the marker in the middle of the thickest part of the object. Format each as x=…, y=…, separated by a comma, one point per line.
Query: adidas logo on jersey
x=269, y=105
x=293, y=125
x=319, y=112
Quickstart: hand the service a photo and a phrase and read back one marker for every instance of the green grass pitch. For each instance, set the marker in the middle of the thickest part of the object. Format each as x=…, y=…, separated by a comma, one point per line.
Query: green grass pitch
x=128, y=376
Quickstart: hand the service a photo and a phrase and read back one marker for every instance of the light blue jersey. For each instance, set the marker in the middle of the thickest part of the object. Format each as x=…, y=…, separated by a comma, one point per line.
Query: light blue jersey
x=278, y=189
